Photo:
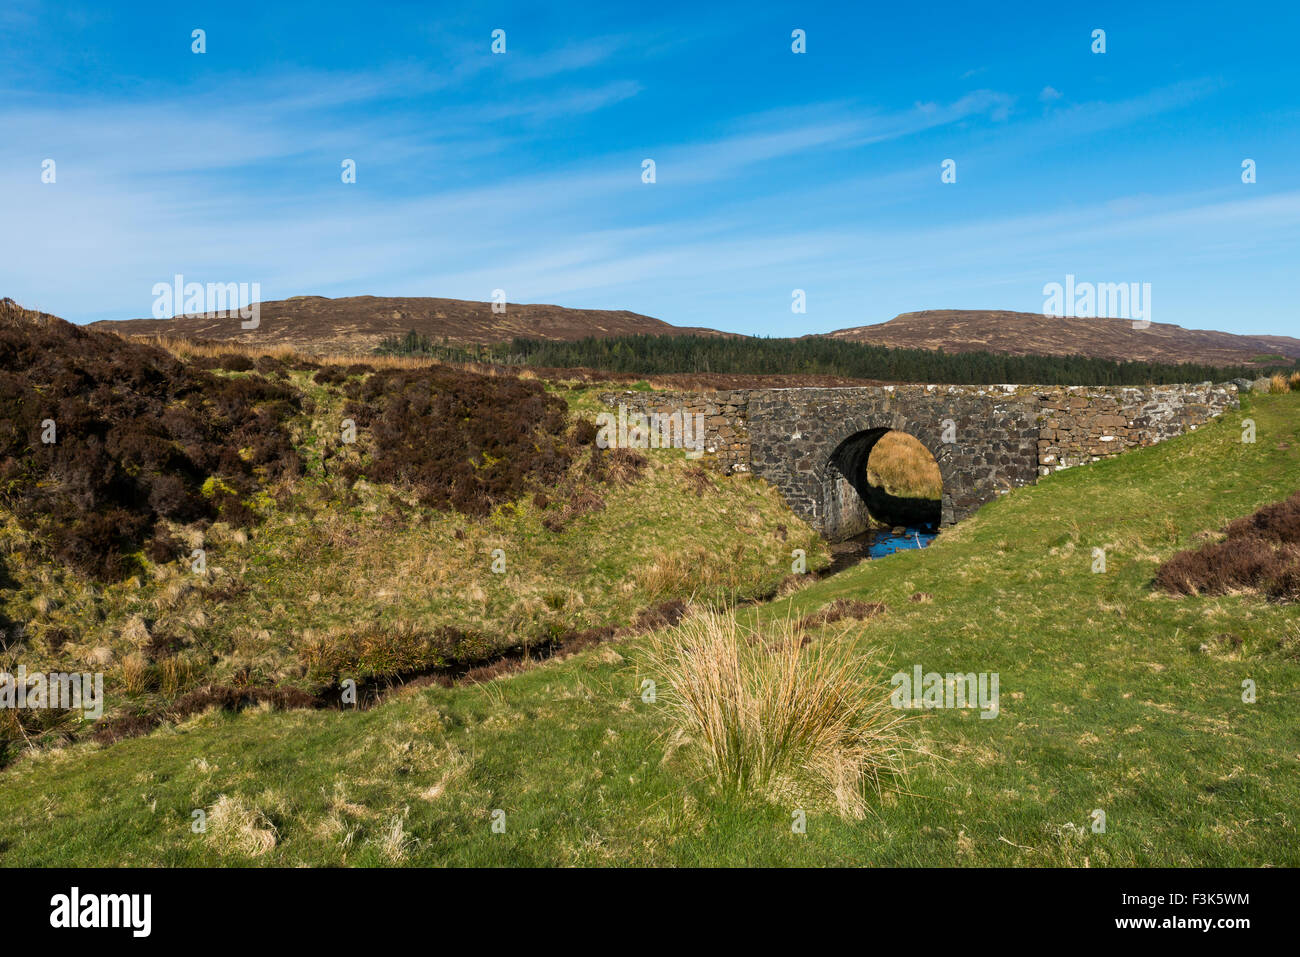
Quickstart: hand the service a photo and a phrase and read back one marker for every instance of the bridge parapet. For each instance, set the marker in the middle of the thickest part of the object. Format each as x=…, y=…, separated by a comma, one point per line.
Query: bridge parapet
x=985, y=439
x=1083, y=425
x=725, y=412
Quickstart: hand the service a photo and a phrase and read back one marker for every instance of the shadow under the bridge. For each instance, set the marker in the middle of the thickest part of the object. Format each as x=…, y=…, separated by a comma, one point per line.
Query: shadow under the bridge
x=855, y=506
x=899, y=510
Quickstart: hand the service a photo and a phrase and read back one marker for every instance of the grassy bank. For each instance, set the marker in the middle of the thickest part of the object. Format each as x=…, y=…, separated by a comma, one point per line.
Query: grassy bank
x=340, y=577
x=1114, y=697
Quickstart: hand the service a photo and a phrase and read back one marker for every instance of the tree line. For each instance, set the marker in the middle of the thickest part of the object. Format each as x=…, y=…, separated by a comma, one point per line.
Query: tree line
x=667, y=354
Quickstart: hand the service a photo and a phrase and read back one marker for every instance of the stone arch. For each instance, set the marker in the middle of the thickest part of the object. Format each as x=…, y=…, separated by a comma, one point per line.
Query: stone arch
x=843, y=476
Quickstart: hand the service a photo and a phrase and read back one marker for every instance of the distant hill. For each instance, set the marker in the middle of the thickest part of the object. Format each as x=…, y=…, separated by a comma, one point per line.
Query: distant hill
x=314, y=324
x=1028, y=333
x=357, y=324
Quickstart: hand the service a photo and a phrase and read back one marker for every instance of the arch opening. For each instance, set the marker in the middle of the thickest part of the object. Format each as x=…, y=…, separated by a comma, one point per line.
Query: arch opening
x=882, y=479
x=904, y=484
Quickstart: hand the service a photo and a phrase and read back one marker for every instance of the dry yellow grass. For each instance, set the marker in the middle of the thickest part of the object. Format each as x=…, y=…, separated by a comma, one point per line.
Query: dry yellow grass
x=238, y=826
x=673, y=571
x=174, y=675
x=135, y=673
x=769, y=711
x=904, y=467
x=393, y=842
x=1280, y=382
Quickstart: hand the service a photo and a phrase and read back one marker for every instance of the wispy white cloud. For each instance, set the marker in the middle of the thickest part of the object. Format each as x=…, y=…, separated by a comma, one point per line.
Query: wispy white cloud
x=580, y=55
x=243, y=185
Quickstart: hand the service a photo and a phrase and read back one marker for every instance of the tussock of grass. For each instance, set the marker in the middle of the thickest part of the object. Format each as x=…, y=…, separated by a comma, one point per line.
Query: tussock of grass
x=235, y=825
x=767, y=711
x=393, y=842
x=135, y=674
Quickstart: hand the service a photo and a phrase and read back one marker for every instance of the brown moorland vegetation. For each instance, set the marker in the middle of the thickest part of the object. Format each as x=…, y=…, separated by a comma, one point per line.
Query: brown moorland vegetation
x=1260, y=553
x=461, y=440
x=101, y=440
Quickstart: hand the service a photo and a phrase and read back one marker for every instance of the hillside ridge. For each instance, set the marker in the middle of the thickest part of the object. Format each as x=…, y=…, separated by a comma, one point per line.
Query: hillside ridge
x=1028, y=333
x=319, y=325
x=357, y=324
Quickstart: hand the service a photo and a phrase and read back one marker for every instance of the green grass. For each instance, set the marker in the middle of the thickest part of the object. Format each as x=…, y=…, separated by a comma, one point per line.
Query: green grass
x=1107, y=702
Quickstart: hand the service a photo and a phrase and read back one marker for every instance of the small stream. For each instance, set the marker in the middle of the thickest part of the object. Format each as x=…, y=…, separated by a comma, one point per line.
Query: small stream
x=878, y=543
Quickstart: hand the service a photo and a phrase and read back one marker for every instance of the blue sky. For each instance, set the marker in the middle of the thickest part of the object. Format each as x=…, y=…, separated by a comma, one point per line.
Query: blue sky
x=775, y=171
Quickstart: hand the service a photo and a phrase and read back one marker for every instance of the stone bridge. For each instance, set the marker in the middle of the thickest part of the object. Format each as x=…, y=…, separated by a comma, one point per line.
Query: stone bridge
x=813, y=444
